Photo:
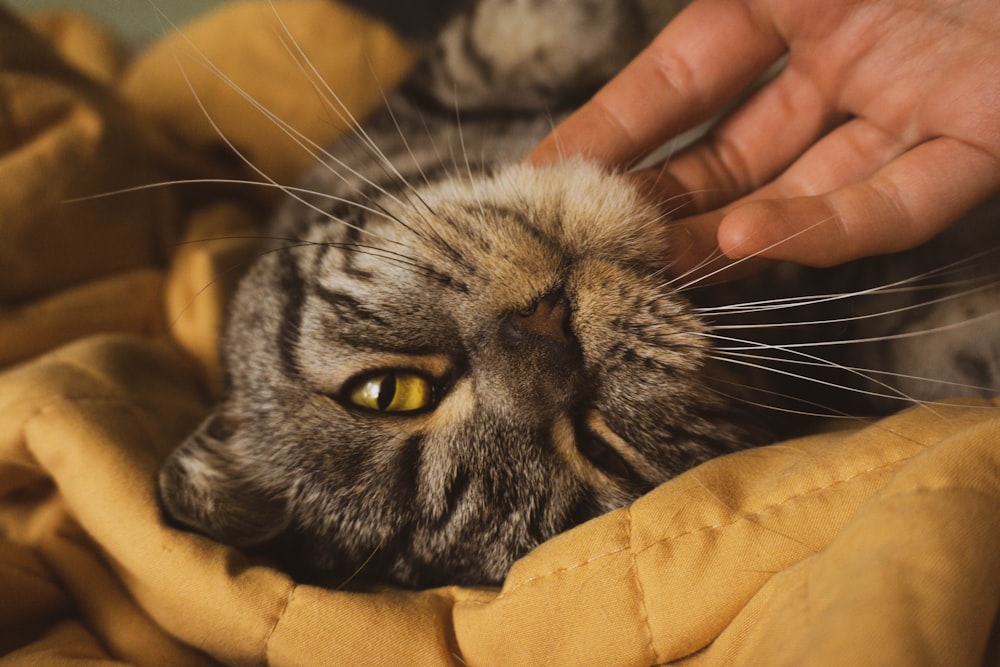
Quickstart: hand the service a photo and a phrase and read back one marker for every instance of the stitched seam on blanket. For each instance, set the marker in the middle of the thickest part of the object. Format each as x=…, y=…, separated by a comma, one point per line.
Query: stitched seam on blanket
x=745, y=516
x=277, y=621
x=643, y=609
x=955, y=486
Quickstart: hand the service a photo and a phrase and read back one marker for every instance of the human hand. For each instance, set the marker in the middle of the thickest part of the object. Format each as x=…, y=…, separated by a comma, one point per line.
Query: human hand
x=882, y=129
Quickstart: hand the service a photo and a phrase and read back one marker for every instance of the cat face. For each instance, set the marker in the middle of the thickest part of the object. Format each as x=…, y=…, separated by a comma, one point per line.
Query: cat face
x=432, y=386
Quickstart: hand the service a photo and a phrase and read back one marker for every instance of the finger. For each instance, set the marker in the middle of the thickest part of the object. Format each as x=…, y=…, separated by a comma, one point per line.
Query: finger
x=755, y=142
x=709, y=53
x=902, y=205
x=850, y=153
x=695, y=257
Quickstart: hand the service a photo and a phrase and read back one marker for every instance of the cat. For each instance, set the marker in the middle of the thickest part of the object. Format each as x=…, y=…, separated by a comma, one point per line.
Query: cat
x=448, y=356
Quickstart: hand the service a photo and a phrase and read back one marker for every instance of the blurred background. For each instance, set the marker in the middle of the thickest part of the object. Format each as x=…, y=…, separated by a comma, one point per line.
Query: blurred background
x=137, y=20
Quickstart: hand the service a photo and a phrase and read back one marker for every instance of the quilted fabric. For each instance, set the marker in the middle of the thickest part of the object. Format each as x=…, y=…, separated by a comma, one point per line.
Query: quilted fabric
x=876, y=544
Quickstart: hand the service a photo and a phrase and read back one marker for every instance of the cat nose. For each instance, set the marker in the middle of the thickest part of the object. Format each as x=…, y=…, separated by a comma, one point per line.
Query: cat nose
x=548, y=318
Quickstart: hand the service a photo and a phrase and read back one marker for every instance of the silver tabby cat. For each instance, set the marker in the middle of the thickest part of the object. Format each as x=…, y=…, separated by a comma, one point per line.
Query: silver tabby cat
x=452, y=357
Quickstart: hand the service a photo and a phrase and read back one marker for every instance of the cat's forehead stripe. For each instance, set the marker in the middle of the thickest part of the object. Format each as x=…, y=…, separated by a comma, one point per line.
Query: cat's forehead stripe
x=291, y=285
x=347, y=305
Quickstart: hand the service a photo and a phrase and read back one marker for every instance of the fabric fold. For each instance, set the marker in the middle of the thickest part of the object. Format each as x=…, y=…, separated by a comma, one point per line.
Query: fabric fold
x=875, y=544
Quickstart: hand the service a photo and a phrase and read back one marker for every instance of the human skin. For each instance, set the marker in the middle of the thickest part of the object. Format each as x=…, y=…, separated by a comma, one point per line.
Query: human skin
x=882, y=129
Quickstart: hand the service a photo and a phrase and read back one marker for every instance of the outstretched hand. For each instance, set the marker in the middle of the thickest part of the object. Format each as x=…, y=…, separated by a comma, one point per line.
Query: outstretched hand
x=882, y=129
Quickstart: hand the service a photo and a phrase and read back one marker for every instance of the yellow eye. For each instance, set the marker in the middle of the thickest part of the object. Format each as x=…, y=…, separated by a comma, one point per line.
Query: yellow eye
x=393, y=392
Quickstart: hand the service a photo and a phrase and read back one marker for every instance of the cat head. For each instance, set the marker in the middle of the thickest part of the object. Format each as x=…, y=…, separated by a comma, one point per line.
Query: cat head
x=423, y=393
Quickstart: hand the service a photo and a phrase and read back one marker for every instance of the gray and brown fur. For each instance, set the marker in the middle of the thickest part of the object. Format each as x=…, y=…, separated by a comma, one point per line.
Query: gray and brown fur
x=570, y=375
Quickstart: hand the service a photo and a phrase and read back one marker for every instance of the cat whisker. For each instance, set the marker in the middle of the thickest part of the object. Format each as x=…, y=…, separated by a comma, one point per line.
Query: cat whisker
x=822, y=411
x=329, y=96
x=894, y=394
x=432, y=142
x=465, y=155
x=866, y=371
x=370, y=250
x=162, y=18
x=228, y=270
x=826, y=412
x=783, y=303
x=360, y=568
x=793, y=350
x=698, y=280
x=431, y=232
x=855, y=318
x=374, y=251
x=409, y=151
x=333, y=102
x=874, y=339
x=237, y=181
x=255, y=104
x=309, y=146
x=709, y=259
x=550, y=119
x=688, y=196
x=918, y=282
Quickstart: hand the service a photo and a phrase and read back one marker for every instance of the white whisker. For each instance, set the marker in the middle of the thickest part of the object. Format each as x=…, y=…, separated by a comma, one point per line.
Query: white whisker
x=863, y=371
x=823, y=411
x=897, y=395
x=235, y=181
x=855, y=318
x=909, y=284
x=316, y=151
x=792, y=350
x=702, y=279
x=343, y=113
x=465, y=156
x=874, y=339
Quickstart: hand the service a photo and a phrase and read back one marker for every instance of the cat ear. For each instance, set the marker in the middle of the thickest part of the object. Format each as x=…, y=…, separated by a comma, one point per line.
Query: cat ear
x=206, y=486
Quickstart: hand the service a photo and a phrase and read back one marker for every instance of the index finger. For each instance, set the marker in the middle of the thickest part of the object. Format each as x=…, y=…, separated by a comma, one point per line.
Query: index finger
x=710, y=52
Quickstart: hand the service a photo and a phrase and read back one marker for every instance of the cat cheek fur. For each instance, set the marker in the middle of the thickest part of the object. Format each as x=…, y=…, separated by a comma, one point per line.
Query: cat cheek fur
x=204, y=487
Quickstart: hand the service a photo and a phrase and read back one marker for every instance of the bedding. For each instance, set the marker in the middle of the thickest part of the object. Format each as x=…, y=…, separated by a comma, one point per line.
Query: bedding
x=877, y=543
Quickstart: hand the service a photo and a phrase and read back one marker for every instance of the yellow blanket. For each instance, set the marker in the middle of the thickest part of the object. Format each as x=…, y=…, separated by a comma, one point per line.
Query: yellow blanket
x=873, y=546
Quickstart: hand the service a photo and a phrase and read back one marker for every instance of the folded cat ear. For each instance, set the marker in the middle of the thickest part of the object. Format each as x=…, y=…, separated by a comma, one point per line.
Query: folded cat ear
x=207, y=485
